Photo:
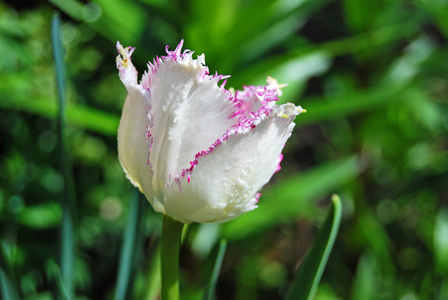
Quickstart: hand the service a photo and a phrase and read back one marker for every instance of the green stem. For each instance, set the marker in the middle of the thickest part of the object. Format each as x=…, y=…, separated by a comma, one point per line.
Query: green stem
x=171, y=237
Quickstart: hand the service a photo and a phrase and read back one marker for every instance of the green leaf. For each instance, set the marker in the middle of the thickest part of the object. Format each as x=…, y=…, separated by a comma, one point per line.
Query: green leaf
x=67, y=245
x=441, y=241
x=79, y=115
x=116, y=20
x=292, y=197
x=153, y=277
x=322, y=109
x=443, y=291
x=307, y=279
x=128, y=250
x=42, y=215
x=8, y=285
x=211, y=286
x=357, y=14
x=366, y=282
x=62, y=289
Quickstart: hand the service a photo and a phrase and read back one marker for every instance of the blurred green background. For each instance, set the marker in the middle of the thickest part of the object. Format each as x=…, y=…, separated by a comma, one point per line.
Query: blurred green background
x=373, y=76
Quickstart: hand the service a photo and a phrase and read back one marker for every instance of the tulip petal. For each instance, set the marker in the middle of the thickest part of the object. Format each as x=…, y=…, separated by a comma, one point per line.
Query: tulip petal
x=225, y=182
x=190, y=111
x=133, y=141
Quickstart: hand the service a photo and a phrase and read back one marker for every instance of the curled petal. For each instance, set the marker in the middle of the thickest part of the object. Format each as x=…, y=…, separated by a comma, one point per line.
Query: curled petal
x=133, y=141
x=225, y=181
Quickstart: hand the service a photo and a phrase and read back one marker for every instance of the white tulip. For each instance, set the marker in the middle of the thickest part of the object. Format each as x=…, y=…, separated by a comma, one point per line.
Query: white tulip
x=199, y=152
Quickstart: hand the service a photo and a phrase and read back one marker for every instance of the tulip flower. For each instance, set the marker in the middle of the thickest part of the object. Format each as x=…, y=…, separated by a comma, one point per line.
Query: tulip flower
x=199, y=152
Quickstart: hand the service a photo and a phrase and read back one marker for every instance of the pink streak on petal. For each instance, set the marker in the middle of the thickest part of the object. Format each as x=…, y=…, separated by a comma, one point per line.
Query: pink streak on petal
x=257, y=197
x=279, y=167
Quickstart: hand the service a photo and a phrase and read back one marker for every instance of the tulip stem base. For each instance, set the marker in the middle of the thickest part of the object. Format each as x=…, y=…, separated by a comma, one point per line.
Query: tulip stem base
x=171, y=239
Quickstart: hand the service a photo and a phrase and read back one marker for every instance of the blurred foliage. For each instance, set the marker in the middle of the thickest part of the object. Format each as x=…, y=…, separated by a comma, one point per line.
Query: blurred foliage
x=373, y=77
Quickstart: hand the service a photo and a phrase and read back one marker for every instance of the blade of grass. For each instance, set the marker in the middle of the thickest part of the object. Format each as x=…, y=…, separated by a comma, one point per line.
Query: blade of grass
x=62, y=290
x=129, y=247
x=211, y=286
x=116, y=20
x=42, y=215
x=8, y=286
x=153, y=276
x=307, y=279
x=8, y=283
x=79, y=115
x=443, y=290
x=373, y=99
x=365, y=283
x=67, y=246
x=441, y=242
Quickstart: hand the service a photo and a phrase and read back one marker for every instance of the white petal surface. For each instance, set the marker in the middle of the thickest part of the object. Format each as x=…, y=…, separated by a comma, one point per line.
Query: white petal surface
x=225, y=182
x=133, y=144
x=190, y=112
